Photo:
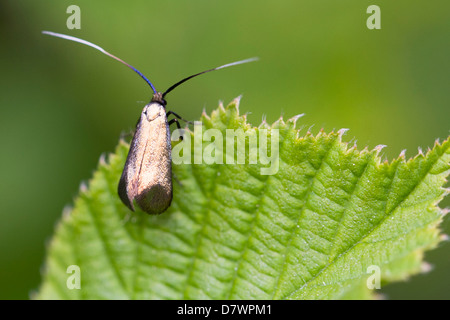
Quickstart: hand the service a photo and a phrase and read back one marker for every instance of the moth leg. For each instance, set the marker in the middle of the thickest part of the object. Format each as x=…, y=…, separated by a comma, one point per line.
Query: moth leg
x=178, y=117
x=175, y=121
x=178, y=125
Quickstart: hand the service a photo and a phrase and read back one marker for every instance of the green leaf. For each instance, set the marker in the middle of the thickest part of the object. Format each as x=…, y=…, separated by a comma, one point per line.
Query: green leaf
x=311, y=231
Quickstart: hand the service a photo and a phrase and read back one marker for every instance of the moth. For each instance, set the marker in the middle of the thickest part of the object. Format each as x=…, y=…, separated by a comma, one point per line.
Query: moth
x=147, y=175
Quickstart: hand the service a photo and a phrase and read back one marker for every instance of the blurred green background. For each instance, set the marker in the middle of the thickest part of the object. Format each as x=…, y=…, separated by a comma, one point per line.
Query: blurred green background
x=64, y=104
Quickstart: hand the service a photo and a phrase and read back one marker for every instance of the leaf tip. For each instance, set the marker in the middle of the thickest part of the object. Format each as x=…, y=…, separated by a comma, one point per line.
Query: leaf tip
x=205, y=115
x=402, y=154
x=264, y=124
x=420, y=152
x=102, y=160
x=295, y=118
x=444, y=237
x=245, y=116
x=446, y=191
x=221, y=108
x=436, y=142
x=342, y=131
x=308, y=132
x=426, y=267
x=279, y=122
x=83, y=187
x=379, y=147
x=234, y=104
x=237, y=101
x=66, y=211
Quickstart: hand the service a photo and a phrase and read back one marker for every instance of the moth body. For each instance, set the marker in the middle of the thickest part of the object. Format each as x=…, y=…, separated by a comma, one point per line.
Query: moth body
x=147, y=175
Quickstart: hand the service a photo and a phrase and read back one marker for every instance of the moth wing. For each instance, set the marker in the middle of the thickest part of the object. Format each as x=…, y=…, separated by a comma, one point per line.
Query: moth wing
x=128, y=183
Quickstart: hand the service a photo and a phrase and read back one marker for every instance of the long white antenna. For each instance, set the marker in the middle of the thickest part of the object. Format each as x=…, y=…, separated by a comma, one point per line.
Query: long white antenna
x=217, y=68
x=90, y=44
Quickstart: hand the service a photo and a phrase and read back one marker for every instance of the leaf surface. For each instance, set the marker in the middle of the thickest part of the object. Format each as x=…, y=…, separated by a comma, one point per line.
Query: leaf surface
x=310, y=231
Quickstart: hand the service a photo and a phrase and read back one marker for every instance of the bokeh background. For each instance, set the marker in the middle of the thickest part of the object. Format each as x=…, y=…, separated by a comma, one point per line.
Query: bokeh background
x=63, y=104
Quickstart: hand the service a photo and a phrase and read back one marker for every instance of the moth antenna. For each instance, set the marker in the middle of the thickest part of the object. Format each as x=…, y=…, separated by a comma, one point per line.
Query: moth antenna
x=90, y=44
x=217, y=68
